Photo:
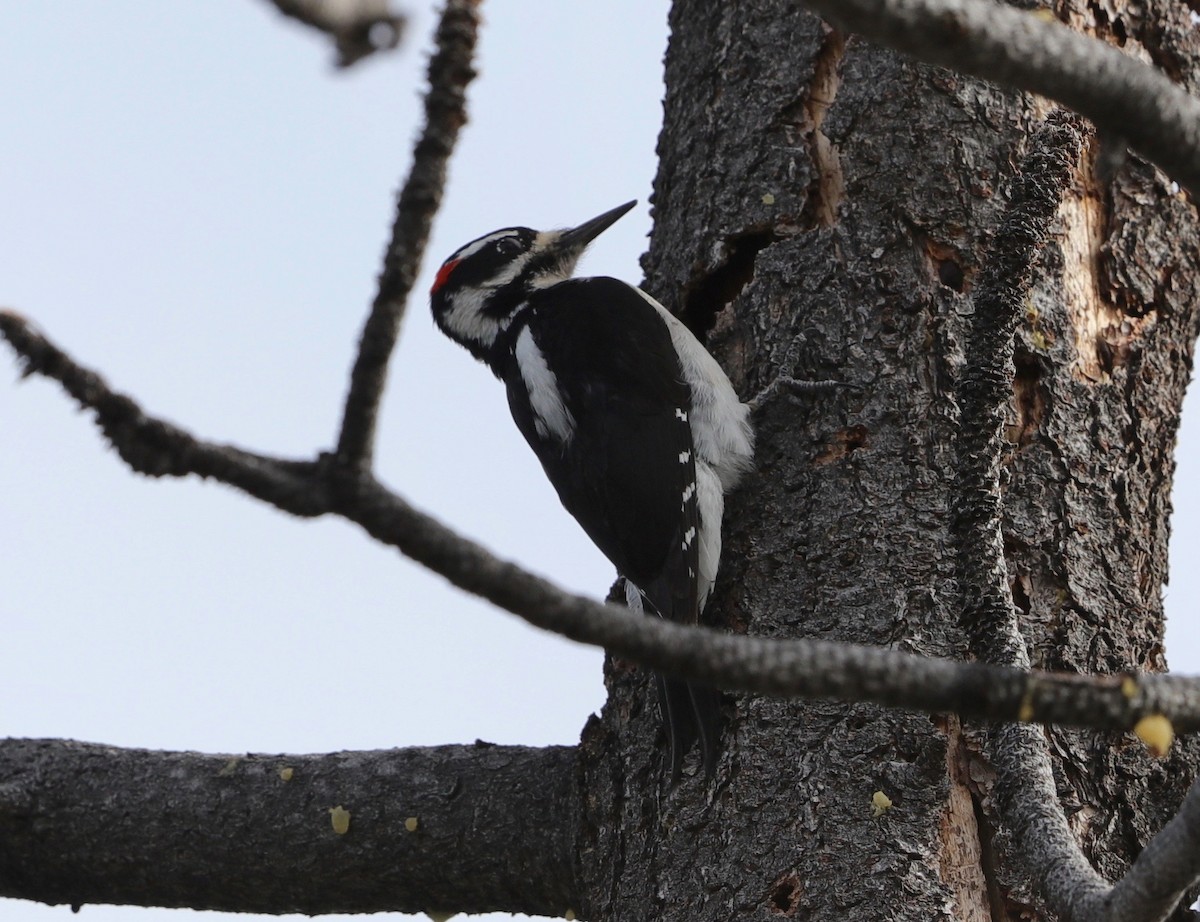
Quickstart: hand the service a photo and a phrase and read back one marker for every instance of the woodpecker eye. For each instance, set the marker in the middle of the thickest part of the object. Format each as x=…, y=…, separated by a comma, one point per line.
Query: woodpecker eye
x=508, y=246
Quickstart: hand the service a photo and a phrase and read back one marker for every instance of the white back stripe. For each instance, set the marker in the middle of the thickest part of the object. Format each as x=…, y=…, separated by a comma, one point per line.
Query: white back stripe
x=550, y=414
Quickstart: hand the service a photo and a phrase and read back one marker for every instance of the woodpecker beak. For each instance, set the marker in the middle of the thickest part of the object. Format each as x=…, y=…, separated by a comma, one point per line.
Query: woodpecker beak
x=579, y=237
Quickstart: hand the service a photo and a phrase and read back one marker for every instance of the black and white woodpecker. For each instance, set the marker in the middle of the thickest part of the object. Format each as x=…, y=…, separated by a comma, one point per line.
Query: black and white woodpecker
x=635, y=424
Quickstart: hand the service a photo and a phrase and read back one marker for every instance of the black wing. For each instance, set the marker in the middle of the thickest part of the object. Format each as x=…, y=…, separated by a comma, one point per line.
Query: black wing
x=627, y=474
x=629, y=460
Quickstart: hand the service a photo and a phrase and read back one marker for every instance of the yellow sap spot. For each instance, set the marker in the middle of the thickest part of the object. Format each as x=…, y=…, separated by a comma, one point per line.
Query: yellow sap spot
x=412, y=824
x=1157, y=733
x=880, y=803
x=229, y=768
x=768, y=199
x=569, y=915
x=339, y=816
x=1129, y=686
x=285, y=774
x=1025, y=711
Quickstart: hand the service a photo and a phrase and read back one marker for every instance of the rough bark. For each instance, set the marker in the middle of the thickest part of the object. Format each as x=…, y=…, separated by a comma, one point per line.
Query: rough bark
x=840, y=199
x=824, y=210
x=468, y=828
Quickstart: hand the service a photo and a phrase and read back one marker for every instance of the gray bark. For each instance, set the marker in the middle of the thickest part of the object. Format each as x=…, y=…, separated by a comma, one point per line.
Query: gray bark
x=464, y=828
x=823, y=210
x=841, y=198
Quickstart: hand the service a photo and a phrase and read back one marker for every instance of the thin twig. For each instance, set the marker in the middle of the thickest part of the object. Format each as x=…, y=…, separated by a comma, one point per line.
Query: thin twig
x=800, y=668
x=450, y=71
x=1123, y=97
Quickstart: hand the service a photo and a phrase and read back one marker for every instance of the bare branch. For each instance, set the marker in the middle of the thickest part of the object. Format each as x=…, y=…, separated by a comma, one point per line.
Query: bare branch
x=1123, y=97
x=478, y=828
x=156, y=447
x=358, y=27
x=986, y=387
x=801, y=668
x=1024, y=789
x=1164, y=871
x=450, y=71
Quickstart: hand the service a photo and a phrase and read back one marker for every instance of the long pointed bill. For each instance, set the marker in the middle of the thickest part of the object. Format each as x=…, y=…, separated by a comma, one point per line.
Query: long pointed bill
x=579, y=237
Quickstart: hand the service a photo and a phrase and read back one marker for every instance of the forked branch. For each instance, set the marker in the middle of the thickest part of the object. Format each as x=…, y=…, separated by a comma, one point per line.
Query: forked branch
x=1024, y=790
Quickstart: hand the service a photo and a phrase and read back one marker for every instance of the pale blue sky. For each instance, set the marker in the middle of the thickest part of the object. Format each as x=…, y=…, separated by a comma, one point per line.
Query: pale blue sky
x=194, y=202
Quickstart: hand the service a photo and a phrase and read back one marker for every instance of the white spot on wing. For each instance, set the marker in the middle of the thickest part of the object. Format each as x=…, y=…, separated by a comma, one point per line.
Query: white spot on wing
x=721, y=430
x=680, y=414
x=550, y=414
x=684, y=456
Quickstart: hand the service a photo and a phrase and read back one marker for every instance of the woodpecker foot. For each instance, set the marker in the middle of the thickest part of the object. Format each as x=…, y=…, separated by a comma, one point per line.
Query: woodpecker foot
x=799, y=389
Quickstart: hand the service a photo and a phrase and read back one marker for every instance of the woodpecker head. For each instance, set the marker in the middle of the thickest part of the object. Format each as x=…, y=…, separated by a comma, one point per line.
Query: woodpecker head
x=482, y=285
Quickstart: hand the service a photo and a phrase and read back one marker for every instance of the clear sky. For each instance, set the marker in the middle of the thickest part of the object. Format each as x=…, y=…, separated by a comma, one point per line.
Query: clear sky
x=193, y=202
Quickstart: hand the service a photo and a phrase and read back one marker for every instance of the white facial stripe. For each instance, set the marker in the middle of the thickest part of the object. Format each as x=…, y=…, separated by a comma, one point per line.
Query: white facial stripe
x=554, y=274
x=472, y=248
x=466, y=320
x=550, y=414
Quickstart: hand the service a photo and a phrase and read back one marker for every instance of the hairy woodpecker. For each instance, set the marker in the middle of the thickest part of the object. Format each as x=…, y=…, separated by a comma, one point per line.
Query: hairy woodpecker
x=635, y=424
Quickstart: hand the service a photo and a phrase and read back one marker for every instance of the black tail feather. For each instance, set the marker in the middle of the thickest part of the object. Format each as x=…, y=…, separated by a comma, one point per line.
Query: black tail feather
x=706, y=707
x=690, y=713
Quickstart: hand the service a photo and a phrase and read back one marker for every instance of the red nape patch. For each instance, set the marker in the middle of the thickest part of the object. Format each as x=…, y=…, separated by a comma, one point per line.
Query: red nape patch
x=443, y=275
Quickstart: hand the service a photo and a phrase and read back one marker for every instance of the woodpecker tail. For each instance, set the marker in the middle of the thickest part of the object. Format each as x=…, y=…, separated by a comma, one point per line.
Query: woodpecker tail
x=691, y=712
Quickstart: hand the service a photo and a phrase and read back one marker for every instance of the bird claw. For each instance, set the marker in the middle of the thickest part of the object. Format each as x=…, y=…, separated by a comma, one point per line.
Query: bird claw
x=798, y=389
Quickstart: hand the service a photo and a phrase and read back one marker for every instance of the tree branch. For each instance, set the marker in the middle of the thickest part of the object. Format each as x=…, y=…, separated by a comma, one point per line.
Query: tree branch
x=1123, y=97
x=450, y=71
x=157, y=448
x=358, y=27
x=986, y=386
x=494, y=829
x=800, y=668
x=1164, y=871
x=1024, y=789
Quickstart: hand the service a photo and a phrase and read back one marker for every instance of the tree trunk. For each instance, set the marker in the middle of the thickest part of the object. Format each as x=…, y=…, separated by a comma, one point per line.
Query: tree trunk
x=822, y=209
